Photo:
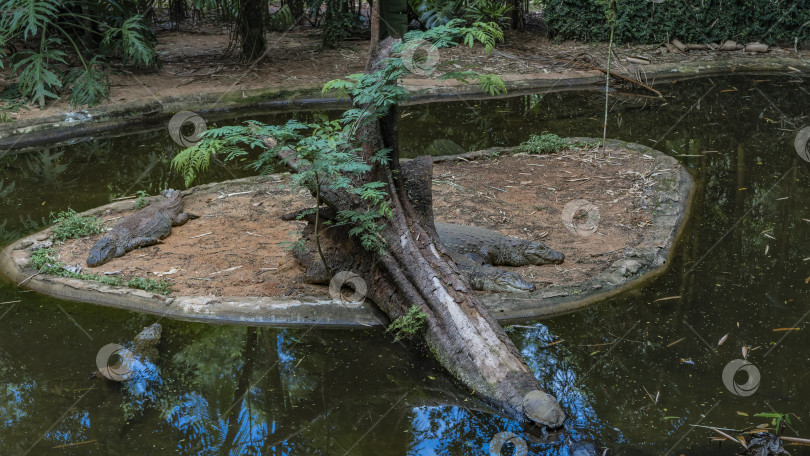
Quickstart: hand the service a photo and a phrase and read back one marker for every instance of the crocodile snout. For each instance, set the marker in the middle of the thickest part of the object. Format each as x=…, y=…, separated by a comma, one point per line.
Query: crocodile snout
x=102, y=252
x=510, y=282
x=540, y=254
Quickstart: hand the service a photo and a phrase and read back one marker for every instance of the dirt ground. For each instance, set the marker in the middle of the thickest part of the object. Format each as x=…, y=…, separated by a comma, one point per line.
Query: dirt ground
x=238, y=246
x=193, y=61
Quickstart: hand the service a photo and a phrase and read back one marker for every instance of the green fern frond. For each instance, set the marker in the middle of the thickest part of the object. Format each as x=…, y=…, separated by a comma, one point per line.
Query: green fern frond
x=194, y=160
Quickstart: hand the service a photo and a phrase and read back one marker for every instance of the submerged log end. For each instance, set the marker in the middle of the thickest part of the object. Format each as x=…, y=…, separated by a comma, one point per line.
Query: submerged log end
x=543, y=408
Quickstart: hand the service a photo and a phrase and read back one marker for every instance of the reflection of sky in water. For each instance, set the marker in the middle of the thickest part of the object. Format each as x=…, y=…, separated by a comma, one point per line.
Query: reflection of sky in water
x=13, y=399
x=331, y=388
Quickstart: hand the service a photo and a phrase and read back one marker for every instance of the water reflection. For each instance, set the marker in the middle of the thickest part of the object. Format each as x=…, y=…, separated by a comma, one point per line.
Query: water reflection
x=634, y=374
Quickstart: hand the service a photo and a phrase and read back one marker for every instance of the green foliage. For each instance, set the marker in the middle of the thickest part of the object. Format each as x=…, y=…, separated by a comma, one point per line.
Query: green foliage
x=38, y=75
x=435, y=13
x=47, y=31
x=133, y=40
x=140, y=201
x=407, y=325
x=494, y=11
x=282, y=19
x=338, y=23
x=90, y=85
x=69, y=224
x=29, y=16
x=776, y=418
x=46, y=262
x=162, y=286
x=328, y=154
x=545, y=143
x=642, y=21
x=449, y=34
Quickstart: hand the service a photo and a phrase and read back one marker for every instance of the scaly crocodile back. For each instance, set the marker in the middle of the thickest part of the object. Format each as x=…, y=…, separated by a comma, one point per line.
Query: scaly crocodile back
x=495, y=248
x=145, y=227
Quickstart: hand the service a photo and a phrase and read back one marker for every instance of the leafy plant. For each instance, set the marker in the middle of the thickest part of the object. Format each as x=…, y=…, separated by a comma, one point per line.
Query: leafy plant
x=69, y=224
x=46, y=29
x=487, y=11
x=328, y=152
x=641, y=21
x=545, y=143
x=338, y=23
x=776, y=419
x=407, y=325
x=90, y=85
x=133, y=40
x=47, y=262
x=37, y=72
x=140, y=201
x=433, y=13
x=162, y=286
x=282, y=19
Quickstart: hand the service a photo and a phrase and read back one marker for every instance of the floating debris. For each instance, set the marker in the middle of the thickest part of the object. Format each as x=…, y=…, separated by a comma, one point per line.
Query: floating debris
x=676, y=342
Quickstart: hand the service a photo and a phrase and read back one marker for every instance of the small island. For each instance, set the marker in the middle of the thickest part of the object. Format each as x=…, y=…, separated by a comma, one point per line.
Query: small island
x=614, y=213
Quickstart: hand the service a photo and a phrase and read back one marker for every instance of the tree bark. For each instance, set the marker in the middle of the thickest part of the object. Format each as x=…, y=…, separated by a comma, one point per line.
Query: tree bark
x=251, y=28
x=416, y=270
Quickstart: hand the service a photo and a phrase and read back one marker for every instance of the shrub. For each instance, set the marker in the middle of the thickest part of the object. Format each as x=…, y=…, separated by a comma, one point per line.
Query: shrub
x=697, y=21
x=407, y=325
x=546, y=143
x=69, y=224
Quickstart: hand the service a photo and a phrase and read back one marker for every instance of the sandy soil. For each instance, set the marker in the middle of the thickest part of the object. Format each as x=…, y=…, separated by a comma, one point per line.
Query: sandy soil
x=237, y=246
x=193, y=62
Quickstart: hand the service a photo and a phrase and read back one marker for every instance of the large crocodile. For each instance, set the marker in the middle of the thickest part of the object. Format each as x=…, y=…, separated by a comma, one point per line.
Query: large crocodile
x=143, y=228
x=495, y=248
x=475, y=250
x=485, y=277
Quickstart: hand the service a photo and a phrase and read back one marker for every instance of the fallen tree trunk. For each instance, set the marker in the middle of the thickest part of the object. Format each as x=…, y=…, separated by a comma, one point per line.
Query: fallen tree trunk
x=415, y=270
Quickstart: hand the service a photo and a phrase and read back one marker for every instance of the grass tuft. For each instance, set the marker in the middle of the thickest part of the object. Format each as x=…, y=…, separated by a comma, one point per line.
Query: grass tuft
x=46, y=262
x=69, y=224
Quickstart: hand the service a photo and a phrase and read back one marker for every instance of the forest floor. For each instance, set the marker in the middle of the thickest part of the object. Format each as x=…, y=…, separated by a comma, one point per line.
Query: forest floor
x=518, y=195
x=196, y=60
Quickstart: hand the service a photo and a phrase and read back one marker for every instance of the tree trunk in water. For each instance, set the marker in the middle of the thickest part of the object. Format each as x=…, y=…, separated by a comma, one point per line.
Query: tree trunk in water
x=251, y=28
x=416, y=270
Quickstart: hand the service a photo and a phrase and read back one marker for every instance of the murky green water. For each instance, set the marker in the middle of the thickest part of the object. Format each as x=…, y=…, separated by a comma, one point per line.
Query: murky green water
x=740, y=270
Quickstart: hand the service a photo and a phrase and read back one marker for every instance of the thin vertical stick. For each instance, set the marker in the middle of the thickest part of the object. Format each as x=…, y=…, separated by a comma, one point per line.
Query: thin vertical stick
x=612, y=5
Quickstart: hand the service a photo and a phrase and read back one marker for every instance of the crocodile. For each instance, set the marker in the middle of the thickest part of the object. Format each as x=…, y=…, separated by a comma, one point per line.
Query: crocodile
x=485, y=277
x=491, y=247
x=141, y=229
x=476, y=261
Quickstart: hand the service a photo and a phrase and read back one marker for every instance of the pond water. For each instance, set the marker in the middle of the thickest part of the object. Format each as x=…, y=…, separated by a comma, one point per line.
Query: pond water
x=741, y=269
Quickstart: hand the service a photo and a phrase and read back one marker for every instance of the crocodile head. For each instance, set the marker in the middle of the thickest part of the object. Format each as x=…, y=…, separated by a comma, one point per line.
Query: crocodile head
x=170, y=193
x=102, y=252
x=538, y=253
x=509, y=282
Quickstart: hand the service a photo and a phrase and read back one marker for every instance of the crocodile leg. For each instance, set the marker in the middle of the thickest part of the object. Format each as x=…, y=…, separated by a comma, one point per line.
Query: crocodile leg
x=485, y=277
x=182, y=218
x=141, y=242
